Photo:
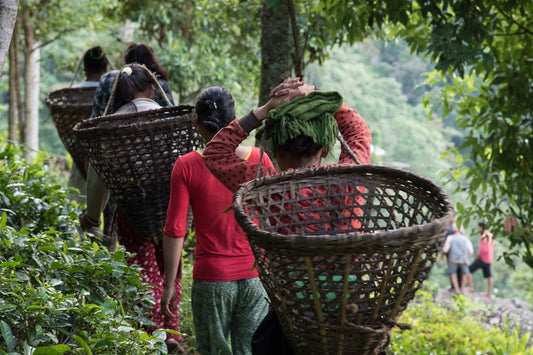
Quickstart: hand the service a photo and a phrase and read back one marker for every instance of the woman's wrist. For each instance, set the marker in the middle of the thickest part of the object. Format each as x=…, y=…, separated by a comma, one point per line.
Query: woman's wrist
x=261, y=112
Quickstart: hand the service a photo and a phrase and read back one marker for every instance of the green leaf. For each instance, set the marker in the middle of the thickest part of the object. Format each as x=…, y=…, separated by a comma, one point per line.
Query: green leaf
x=82, y=343
x=7, y=334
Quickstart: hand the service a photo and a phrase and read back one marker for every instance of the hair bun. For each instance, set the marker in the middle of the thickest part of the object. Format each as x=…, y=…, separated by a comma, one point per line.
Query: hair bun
x=96, y=53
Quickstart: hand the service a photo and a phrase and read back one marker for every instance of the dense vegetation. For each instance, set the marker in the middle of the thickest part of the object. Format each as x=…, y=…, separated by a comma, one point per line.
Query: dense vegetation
x=59, y=291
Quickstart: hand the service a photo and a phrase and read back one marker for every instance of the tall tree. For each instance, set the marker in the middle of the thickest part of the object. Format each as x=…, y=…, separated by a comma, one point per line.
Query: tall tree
x=41, y=23
x=8, y=16
x=275, y=46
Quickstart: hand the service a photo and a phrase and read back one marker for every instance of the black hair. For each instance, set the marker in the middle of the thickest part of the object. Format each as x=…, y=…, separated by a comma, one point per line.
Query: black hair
x=94, y=60
x=301, y=146
x=129, y=84
x=215, y=108
x=143, y=54
x=482, y=225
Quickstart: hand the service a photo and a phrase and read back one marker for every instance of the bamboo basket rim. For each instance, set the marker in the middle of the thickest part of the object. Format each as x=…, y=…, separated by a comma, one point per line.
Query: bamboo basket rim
x=420, y=233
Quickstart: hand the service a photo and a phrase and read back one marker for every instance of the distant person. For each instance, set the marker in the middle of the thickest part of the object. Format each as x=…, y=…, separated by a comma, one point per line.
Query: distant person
x=95, y=64
x=449, y=231
x=138, y=53
x=459, y=250
x=133, y=93
x=485, y=256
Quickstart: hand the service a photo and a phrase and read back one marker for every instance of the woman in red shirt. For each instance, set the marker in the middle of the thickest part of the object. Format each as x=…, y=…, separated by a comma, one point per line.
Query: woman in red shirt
x=227, y=296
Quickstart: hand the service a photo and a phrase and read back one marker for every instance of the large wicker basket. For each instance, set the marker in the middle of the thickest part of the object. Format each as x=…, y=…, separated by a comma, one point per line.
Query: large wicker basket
x=342, y=250
x=133, y=154
x=68, y=107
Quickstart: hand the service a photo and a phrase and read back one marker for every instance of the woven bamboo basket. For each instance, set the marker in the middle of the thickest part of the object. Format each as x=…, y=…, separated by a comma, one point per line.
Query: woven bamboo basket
x=342, y=250
x=133, y=154
x=68, y=107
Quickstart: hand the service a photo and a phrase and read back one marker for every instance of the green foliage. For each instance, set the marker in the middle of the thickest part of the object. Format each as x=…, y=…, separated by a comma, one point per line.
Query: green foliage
x=60, y=292
x=492, y=97
x=457, y=329
x=203, y=43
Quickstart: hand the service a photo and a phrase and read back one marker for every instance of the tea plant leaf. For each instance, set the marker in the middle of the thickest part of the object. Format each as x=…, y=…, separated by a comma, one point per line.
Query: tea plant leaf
x=83, y=344
x=7, y=335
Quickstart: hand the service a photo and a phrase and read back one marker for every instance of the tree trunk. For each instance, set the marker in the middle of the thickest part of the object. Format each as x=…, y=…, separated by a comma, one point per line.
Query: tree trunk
x=14, y=87
x=32, y=56
x=8, y=16
x=275, y=48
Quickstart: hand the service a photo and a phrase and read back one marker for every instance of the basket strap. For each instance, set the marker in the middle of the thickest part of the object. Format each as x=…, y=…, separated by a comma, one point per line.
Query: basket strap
x=347, y=147
x=262, y=152
x=77, y=70
x=162, y=92
x=112, y=96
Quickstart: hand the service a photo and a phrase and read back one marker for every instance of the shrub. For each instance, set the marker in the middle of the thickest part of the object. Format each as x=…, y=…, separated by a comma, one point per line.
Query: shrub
x=453, y=330
x=59, y=291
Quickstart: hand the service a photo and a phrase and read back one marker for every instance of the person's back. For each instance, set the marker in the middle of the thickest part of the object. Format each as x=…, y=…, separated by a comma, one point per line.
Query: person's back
x=222, y=250
x=94, y=66
x=136, y=53
x=228, y=299
x=459, y=248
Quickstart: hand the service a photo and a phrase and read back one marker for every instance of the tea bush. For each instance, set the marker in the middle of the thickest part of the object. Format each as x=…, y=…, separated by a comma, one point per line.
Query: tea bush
x=59, y=291
x=453, y=330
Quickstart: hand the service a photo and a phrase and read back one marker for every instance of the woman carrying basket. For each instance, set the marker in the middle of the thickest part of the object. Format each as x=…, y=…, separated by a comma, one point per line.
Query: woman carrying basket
x=301, y=131
x=227, y=296
x=138, y=53
x=95, y=64
x=133, y=91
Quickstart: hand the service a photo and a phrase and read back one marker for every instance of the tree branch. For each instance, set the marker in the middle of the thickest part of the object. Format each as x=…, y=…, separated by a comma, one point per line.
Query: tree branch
x=511, y=19
x=297, y=53
x=51, y=40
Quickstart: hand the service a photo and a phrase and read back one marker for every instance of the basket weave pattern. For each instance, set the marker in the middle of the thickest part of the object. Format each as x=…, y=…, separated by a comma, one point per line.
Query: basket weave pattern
x=68, y=107
x=342, y=250
x=133, y=154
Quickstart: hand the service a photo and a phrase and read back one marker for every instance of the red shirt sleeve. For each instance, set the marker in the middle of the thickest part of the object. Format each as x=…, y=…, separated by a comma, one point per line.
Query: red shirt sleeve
x=356, y=134
x=220, y=158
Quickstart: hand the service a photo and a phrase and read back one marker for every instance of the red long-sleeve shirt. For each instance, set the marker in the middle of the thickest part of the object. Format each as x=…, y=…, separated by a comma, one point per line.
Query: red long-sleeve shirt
x=220, y=158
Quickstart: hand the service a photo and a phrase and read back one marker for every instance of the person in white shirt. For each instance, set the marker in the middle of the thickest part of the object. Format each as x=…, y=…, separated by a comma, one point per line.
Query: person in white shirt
x=459, y=249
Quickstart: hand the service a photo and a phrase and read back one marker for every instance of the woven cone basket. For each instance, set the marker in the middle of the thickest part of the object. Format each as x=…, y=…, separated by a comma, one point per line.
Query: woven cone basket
x=68, y=107
x=133, y=154
x=342, y=250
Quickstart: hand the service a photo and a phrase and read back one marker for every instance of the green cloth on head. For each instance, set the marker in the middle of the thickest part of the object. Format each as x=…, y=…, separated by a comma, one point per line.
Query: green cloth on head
x=310, y=115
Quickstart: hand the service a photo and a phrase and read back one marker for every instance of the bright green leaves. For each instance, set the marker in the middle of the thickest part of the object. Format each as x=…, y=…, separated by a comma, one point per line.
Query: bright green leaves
x=59, y=292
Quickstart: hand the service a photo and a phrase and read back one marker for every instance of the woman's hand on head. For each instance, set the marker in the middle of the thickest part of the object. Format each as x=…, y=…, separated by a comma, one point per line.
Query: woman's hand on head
x=291, y=88
x=282, y=93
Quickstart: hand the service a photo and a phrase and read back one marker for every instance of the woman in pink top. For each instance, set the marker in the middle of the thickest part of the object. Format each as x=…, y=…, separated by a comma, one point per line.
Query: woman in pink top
x=227, y=296
x=484, y=257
